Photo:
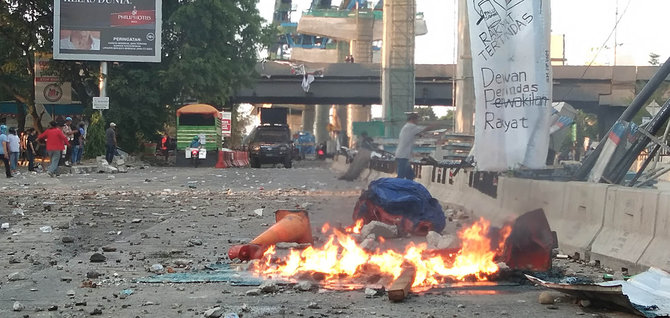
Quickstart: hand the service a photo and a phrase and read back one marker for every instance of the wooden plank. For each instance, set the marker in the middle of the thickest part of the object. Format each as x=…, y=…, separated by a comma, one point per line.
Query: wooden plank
x=400, y=288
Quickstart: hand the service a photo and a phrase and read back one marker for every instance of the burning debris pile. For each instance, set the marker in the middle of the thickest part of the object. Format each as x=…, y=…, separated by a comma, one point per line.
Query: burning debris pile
x=342, y=259
x=346, y=262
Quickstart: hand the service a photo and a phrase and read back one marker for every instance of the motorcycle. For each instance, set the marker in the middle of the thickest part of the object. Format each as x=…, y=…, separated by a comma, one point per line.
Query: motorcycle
x=196, y=154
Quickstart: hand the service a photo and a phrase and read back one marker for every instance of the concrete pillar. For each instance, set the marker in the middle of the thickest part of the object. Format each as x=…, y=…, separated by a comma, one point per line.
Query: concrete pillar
x=356, y=113
x=361, y=47
x=465, y=87
x=308, y=118
x=397, y=63
x=342, y=116
x=321, y=122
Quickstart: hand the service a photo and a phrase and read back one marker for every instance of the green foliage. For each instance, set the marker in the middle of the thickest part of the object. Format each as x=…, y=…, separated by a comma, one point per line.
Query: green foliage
x=449, y=116
x=25, y=28
x=95, y=137
x=653, y=59
x=139, y=116
x=425, y=112
x=216, y=45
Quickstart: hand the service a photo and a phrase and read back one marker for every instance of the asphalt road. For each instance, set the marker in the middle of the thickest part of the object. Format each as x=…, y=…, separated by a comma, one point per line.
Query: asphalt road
x=173, y=216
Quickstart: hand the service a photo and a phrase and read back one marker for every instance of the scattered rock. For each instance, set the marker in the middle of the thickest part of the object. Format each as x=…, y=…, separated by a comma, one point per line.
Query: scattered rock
x=135, y=220
x=585, y=303
x=313, y=305
x=157, y=268
x=460, y=306
x=552, y=307
x=304, y=285
x=98, y=258
x=194, y=242
x=67, y=239
x=70, y=293
x=92, y=275
x=374, y=292
x=546, y=298
x=18, y=306
x=369, y=244
x=439, y=242
x=379, y=229
x=253, y=292
x=96, y=312
x=269, y=287
x=108, y=249
x=16, y=276
x=215, y=312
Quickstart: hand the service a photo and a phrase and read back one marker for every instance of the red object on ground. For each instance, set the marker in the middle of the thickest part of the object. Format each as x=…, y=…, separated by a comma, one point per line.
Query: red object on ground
x=220, y=163
x=530, y=243
x=290, y=226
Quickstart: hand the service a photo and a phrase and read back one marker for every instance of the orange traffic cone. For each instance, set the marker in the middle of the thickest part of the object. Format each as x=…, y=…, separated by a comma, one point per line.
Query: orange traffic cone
x=220, y=163
x=290, y=226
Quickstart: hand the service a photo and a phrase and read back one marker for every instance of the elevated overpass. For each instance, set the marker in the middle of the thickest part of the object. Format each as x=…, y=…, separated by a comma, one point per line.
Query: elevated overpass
x=588, y=88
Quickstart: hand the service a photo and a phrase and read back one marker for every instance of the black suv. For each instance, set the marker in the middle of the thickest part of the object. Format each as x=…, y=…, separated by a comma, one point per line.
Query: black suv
x=270, y=144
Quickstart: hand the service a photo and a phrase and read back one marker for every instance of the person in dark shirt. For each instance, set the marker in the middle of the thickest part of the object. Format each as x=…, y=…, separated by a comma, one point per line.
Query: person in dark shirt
x=110, y=143
x=31, y=148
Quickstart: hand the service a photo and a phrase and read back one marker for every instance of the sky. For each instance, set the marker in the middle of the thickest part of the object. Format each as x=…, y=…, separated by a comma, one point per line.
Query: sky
x=586, y=25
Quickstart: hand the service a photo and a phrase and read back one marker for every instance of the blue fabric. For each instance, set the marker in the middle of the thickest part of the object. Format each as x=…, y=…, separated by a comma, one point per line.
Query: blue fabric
x=404, y=169
x=409, y=199
x=3, y=138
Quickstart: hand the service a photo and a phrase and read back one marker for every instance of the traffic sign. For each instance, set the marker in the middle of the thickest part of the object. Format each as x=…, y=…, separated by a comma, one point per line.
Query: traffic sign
x=100, y=102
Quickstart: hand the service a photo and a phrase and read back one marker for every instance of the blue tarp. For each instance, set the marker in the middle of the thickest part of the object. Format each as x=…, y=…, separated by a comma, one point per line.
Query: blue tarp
x=408, y=199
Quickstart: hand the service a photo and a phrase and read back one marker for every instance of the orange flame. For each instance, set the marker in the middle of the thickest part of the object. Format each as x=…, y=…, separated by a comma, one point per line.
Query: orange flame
x=342, y=257
x=356, y=228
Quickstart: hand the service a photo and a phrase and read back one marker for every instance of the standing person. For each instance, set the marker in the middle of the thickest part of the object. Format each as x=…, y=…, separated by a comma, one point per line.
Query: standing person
x=164, y=145
x=67, y=131
x=4, y=151
x=110, y=144
x=56, y=142
x=78, y=144
x=14, y=147
x=31, y=148
x=406, y=140
x=23, y=136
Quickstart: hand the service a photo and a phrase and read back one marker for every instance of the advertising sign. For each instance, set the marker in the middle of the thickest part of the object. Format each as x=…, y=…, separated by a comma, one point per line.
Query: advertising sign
x=513, y=81
x=47, y=88
x=107, y=30
x=226, y=124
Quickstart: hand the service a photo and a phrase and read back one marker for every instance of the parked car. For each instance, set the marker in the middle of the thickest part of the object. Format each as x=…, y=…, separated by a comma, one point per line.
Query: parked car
x=270, y=143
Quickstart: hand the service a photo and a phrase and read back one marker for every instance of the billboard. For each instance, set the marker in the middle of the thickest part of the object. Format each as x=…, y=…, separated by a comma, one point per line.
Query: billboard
x=48, y=89
x=107, y=30
x=226, y=123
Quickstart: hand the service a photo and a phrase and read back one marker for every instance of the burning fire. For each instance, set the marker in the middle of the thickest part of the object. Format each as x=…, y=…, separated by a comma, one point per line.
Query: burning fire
x=341, y=257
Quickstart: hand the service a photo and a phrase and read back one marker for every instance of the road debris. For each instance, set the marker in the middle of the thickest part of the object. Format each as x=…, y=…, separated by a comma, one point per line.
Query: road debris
x=400, y=288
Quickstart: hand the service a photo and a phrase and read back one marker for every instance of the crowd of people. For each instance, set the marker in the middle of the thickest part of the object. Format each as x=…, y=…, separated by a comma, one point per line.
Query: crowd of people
x=62, y=143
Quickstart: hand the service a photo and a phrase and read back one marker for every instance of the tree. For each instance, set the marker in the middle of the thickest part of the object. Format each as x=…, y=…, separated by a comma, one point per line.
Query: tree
x=25, y=28
x=425, y=112
x=216, y=48
x=653, y=59
x=95, y=137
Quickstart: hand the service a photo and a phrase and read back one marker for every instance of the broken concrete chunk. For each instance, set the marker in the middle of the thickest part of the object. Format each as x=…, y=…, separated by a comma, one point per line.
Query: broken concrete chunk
x=439, y=242
x=379, y=229
x=215, y=312
x=269, y=287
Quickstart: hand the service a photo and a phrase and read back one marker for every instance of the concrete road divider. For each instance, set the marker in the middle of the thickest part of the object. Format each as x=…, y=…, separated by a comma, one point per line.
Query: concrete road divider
x=578, y=219
x=628, y=227
x=658, y=252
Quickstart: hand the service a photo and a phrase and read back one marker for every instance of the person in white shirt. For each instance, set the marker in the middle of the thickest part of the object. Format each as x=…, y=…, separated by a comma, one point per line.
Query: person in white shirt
x=14, y=148
x=406, y=140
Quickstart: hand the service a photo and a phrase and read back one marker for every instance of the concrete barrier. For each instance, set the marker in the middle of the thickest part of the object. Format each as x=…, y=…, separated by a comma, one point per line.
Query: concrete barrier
x=658, y=254
x=628, y=227
x=580, y=216
x=514, y=195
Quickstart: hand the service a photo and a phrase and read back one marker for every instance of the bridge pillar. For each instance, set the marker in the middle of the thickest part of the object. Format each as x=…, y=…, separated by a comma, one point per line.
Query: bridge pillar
x=465, y=85
x=308, y=119
x=361, y=47
x=356, y=113
x=398, y=63
x=321, y=114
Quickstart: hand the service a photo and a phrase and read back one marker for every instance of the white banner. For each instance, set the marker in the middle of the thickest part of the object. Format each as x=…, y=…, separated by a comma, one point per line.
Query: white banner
x=513, y=82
